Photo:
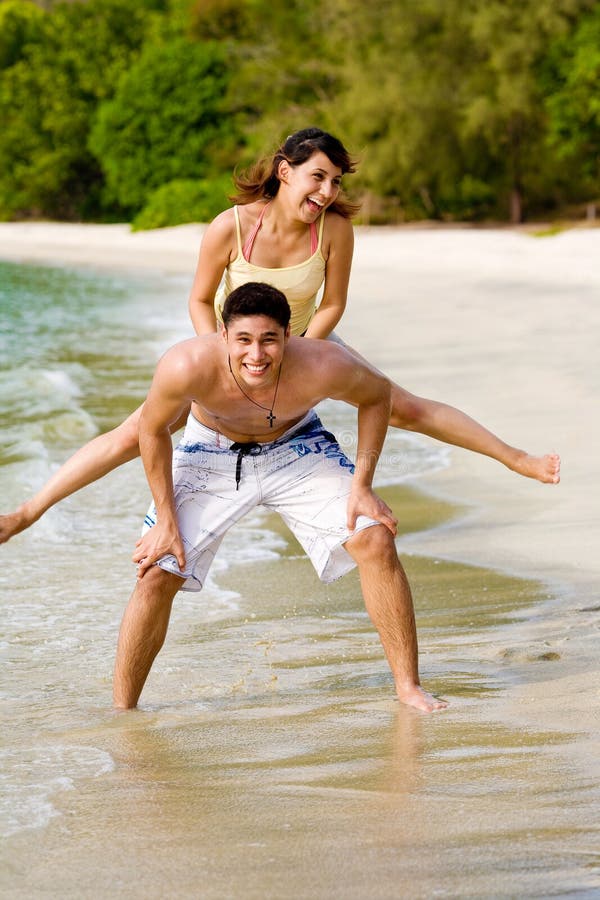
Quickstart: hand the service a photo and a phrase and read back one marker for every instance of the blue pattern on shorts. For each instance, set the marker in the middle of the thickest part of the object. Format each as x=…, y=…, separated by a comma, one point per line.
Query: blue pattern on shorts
x=321, y=441
x=198, y=448
x=313, y=438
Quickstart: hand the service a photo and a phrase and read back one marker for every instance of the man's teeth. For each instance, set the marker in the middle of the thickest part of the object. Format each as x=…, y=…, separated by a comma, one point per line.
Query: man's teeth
x=255, y=368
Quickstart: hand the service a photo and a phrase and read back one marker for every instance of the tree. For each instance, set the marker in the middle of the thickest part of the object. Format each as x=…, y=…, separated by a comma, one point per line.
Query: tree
x=20, y=26
x=572, y=78
x=184, y=200
x=504, y=106
x=283, y=66
x=48, y=96
x=443, y=98
x=166, y=120
x=456, y=108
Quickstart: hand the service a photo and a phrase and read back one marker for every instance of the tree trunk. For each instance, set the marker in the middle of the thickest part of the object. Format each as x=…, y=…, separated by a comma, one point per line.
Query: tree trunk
x=516, y=206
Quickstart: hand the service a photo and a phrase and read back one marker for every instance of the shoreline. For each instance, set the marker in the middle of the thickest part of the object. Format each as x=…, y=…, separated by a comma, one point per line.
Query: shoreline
x=449, y=361
x=168, y=250
x=452, y=302
x=269, y=727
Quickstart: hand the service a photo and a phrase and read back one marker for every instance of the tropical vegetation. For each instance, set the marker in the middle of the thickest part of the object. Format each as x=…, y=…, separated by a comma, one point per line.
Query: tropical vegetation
x=139, y=110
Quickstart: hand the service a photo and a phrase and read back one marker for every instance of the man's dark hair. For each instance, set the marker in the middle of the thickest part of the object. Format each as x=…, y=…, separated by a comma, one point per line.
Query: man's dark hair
x=255, y=298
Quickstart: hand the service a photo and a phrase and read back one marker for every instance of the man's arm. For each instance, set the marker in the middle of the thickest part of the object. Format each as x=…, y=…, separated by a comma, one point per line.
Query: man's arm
x=167, y=399
x=357, y=383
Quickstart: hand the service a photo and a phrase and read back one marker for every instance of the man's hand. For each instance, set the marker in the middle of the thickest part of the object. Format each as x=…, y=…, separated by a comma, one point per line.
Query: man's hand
x=364, y=502
x=155, y=544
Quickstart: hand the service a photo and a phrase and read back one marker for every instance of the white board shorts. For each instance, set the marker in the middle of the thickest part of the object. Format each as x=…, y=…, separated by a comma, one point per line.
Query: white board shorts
x=303, y=475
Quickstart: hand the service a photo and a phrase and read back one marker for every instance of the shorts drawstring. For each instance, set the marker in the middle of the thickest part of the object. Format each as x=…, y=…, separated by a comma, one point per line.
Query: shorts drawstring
x=242, y=450
x=252, y=448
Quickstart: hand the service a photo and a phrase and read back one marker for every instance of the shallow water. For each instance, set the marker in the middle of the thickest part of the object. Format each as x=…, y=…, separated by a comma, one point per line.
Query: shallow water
x=269, y=758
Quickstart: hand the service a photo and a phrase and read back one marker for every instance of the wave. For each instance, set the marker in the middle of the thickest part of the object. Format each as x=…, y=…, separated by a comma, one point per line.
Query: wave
x=30, y=777
x=40, y=410
x=404, y=456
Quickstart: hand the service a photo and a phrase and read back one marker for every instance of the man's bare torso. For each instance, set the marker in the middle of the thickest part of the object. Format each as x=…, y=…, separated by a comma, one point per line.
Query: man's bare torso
x=219, y=403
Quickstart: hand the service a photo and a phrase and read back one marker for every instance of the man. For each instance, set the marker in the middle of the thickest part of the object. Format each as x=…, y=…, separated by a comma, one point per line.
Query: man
x=252, y=437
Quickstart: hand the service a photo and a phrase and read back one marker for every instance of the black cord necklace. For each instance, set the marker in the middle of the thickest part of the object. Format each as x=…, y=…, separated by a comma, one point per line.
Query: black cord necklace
x=270, y=417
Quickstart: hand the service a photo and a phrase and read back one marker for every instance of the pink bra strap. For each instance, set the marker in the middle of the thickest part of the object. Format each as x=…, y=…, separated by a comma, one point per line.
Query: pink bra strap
x=314, y=238
x=249, y=242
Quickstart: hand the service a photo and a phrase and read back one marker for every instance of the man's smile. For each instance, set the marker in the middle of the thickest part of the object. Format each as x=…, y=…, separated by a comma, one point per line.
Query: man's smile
x=256, y=369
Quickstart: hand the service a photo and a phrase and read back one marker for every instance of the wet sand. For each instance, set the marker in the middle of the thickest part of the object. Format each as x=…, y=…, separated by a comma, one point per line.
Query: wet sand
x=453, y=301
x=294, y=773
x=270, y=758
x=529, y=370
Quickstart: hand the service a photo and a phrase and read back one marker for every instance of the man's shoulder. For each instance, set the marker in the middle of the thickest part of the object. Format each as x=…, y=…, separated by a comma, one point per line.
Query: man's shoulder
x=316, y=357
x=191, y=356
x=198, y=345
x=316, y=348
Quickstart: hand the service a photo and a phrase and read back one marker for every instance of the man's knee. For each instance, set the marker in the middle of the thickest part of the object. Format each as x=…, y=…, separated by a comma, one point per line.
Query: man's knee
x=374, y=544
x=158, y=584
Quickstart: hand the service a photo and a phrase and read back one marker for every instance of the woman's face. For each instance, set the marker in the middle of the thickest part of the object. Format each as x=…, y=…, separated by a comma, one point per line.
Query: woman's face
x=312, y=186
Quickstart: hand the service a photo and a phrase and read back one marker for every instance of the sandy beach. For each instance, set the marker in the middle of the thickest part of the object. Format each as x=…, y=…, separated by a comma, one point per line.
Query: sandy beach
x=512, y=366
x=527, y=371
x=446, y=313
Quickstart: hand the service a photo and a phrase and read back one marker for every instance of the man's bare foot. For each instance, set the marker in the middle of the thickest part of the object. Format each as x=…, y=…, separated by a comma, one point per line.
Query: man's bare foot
x=414, y=695
x=543, y=468
x=13, y=523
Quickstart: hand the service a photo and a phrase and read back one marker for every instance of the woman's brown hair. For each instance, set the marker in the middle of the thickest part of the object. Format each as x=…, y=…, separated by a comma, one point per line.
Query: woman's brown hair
x=261, y=182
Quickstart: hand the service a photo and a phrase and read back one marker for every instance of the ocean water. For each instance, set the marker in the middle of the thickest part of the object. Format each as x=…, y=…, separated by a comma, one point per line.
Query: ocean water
x=268, y=758
x=77, y=351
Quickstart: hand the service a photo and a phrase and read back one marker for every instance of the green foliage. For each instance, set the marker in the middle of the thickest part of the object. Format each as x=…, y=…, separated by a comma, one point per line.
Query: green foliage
x=444, y=94
x=48, y=97
x=284, y=66
x=573, y=100
x=184, y=200
x=455, y=108
x=220, y=19
x=20, y=26
x=164, y=120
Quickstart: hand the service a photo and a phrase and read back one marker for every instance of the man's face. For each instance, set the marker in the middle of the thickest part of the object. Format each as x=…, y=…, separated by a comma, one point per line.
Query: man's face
x=256, y=346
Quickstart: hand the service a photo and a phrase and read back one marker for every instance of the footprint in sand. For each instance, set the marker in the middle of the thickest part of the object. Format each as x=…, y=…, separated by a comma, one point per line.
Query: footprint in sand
x=511, y=654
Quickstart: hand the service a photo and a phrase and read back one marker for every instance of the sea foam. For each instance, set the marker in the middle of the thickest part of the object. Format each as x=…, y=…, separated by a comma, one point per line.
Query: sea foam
x=31, y=776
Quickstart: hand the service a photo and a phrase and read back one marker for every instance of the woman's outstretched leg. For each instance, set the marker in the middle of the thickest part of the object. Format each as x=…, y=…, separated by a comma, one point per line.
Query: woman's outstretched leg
x=450, y=425
x=94, y=460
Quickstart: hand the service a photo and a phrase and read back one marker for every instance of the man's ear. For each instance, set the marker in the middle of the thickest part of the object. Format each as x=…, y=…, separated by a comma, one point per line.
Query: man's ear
x=224, y=331
x=287, y=333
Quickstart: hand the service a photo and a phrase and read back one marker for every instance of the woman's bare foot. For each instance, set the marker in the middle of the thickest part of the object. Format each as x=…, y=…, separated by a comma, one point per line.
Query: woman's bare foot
x=13, y=523
x=414, y=695
x=543, y=468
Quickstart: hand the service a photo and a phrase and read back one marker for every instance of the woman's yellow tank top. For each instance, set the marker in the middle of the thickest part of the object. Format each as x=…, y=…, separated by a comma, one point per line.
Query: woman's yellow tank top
x=299, y=283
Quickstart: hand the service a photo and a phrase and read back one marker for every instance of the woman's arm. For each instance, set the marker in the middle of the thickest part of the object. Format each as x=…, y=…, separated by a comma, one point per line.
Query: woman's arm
x=339, y=245
x=216, y=251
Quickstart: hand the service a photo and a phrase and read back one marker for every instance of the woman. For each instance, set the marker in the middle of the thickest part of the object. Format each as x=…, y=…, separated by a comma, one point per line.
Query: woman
x=292, y=228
